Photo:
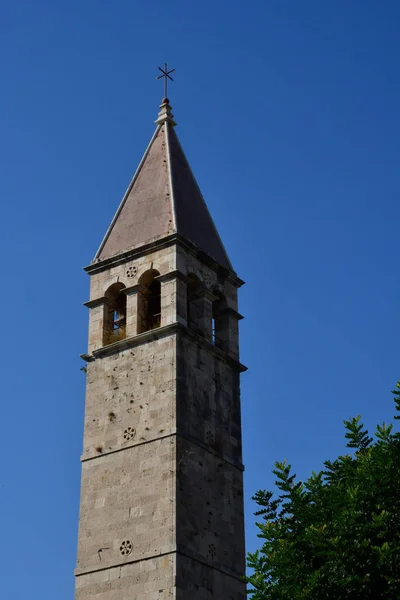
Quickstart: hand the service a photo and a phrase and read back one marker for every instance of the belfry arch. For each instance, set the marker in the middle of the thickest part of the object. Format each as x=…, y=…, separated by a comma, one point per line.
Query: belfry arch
x=149, y=301
x=114, y=324
x=195, y=304
x=220, y=322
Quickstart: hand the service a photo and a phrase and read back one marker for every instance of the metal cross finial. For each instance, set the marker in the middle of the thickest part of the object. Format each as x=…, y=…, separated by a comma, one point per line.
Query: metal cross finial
x=165, y=75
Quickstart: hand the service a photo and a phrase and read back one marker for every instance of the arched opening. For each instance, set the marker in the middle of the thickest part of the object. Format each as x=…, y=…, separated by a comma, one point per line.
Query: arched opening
x=195, y=307
x=114, y=314
x=220, y=322
x=149, y=305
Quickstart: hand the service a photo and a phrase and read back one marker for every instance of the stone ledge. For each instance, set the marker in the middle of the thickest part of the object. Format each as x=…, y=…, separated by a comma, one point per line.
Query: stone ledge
x=174, y=433
x=233, y=313
x=207, y=448
x=213, y=565
x=126, y=447
x=180, y=550
x=78, y=572
x=223, y=356
x=161, y=332
x=130, y=342
x=157, y=244
x=96, y=302
x=171, y=276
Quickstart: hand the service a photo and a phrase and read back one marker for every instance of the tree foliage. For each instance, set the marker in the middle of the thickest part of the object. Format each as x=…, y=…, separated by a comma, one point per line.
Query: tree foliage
x=336, y=535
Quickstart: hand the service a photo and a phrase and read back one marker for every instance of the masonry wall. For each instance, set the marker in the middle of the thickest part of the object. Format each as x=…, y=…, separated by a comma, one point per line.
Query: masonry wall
x=152, y=579
x=198, y=581
x=128, y=475
x=208, y=402
x=209, y=497
x=132, y=388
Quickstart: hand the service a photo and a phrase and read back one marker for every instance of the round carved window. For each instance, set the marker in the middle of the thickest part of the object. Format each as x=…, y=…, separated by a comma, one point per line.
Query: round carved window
x=209, y=437
x=129, y=434
x=207, y=278
x=132, y=271
x=126, y=547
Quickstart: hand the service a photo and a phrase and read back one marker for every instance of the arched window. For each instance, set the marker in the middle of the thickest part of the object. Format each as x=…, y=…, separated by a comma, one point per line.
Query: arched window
x=114, y=314
x=149, y=305
x=220, y=322
x=195, y=308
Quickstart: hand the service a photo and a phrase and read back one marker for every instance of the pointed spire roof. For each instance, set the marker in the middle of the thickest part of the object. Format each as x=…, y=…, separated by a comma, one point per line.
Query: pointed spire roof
x=163, y=198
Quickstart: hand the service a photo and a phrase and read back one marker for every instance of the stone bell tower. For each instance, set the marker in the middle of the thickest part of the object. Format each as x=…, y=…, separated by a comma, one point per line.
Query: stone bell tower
x=161, y=509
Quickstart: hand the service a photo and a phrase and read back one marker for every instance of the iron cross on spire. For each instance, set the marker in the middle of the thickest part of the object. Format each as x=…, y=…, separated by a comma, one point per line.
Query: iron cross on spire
x=165, y=75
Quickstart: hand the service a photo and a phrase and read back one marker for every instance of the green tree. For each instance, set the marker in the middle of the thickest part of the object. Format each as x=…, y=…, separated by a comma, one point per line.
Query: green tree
x=336, y=535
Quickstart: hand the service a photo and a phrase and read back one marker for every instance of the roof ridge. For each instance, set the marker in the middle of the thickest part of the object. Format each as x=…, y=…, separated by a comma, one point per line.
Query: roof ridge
x=204, y=204
x=171, y=186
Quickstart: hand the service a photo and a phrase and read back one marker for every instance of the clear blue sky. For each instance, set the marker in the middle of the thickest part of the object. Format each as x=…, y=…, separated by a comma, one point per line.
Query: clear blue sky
x=289, y=114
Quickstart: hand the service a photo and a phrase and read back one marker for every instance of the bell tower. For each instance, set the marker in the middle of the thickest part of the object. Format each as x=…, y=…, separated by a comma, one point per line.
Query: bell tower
x=161, y=507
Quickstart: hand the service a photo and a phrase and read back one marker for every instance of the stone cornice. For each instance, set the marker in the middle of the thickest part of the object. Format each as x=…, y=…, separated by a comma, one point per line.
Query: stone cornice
x=175, y=432
x=233, y=313
x=206, y=448
x=130, y=342
x=160, y=332
x=209, y=295
x=79, y=572
x=213, y=564
x=134, y=289
x=157, y=244
x=223, y=356
x=95, y=302
x=171, y=275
